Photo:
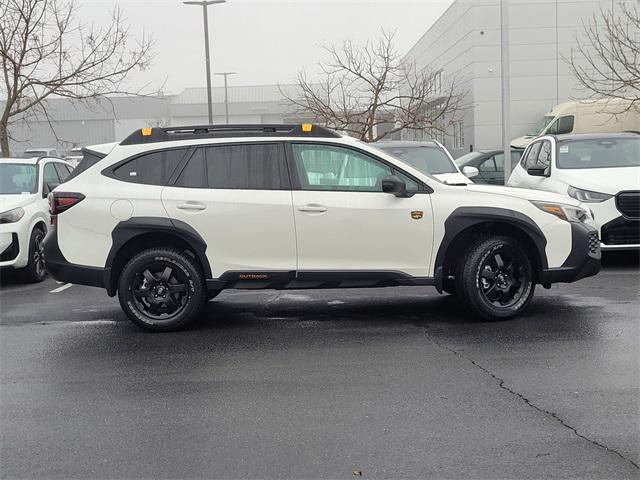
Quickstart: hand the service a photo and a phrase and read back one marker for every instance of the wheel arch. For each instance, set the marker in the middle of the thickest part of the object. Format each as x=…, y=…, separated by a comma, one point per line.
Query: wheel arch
x=140, y=233
x=468, y=223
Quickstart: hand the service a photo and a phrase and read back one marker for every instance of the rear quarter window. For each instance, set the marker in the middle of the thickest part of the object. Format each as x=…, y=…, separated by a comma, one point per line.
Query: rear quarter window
x=154, y=168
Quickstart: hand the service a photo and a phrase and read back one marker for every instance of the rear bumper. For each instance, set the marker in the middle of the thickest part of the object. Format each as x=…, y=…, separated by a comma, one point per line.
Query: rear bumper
x=583, y=260
x=60, y=269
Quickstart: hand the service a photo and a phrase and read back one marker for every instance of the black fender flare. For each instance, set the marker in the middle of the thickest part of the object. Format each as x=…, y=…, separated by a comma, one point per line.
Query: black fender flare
x=127, y=230
x=463, y=218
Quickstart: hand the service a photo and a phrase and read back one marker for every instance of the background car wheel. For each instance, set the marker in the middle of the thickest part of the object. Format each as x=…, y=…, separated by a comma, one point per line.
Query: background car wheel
x=161, y=289
x=35, y=270
x=496, y=278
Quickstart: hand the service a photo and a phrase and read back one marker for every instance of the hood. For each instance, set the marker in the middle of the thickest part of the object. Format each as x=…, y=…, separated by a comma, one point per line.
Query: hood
x=524, y=193
x=452, y=178
x=522, y=142
x=603, y=180
x=9, y=202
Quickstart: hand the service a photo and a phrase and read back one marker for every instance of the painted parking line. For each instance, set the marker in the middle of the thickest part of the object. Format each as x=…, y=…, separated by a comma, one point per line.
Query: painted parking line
x=62, y=288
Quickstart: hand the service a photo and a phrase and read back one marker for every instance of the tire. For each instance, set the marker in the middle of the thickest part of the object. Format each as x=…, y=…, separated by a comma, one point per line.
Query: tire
x=35, y=271
x=495, y=279
x=161, y=290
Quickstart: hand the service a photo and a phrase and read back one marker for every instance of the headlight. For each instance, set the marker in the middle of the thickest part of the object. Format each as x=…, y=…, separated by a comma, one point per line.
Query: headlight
x=565, y=212
x=12, y=215
x=587, y=195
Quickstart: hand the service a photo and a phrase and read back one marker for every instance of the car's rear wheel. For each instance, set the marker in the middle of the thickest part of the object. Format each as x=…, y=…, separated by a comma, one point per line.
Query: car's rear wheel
x=161, y=289
x=35, y=270
x=496, y=278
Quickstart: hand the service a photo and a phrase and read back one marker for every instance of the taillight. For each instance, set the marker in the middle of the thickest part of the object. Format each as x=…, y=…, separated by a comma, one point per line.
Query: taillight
x=62, y=201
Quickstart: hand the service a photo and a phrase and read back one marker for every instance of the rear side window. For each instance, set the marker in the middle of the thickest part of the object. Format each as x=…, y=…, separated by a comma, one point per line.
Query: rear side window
x=153, y=168
x=248, y=167
x=63, y=171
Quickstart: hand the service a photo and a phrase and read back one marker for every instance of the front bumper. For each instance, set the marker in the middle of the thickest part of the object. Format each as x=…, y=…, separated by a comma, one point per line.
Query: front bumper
x=583, y=260
x=620, y=234
x=60, y=269
x=14, y=244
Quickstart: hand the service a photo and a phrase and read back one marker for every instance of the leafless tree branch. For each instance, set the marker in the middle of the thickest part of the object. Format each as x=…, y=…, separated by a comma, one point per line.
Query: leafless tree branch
x=370, y=85
x=606, y=62
x=45, y=52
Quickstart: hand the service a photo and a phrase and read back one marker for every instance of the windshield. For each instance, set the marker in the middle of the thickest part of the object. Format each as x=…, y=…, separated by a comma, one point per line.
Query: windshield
x=540, y=126
x=467, y=157
x=16, y=178
x=599, y=153
x=426, y=159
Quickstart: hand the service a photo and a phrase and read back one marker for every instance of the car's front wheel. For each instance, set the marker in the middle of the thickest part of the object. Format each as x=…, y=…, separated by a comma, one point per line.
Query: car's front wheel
x=161, y=289
x=35, y=270
x=496, y=279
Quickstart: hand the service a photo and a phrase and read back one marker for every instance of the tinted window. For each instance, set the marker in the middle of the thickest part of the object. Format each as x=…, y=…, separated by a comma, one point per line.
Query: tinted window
x=194, y=174
x=249, y=167
x=544, y=157
x=153, y=168
x=532, y=155
x=328, y=167
x=426, y=159
x=599, y=153
x=63, y=171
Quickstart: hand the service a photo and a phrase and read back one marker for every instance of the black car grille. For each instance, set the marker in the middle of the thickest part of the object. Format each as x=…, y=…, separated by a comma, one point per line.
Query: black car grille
x=12, y=250
x=594, y=243
x=624, y=232
x=628, y=204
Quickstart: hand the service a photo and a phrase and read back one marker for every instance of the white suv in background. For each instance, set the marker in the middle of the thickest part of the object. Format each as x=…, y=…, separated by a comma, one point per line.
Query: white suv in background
x=171, y=216
x=600, y=170
x=24, y=211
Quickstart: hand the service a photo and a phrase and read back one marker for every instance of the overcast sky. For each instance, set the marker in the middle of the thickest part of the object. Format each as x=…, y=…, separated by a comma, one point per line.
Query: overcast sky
x=265, y=41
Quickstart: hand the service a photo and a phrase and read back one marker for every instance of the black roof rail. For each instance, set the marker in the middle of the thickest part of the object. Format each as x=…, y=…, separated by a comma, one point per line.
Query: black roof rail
x=168, y=134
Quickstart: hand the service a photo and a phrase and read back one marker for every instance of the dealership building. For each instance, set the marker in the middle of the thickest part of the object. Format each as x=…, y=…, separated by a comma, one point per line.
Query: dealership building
x=465, y=43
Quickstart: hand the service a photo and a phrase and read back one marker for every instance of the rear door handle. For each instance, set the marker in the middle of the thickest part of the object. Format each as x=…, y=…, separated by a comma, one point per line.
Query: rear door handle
x=191, y=206
x=312, y=207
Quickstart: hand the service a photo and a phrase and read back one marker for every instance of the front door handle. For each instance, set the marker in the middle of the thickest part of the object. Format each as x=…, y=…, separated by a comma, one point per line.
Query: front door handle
x=312, y=207
x=191, y=206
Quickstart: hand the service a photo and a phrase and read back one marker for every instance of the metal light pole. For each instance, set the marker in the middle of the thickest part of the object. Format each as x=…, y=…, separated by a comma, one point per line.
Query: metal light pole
x=226, y=98
x=205, y=4
x=506, y=87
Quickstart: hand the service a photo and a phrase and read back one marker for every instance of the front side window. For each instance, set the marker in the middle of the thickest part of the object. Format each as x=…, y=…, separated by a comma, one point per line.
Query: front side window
x=531, y=158
x=50, y=176
x=16, y=178
x=329, y=167
x=488, y=165
x=544, y=157
x=599, y=153
x=562, y=125
x=154, y=168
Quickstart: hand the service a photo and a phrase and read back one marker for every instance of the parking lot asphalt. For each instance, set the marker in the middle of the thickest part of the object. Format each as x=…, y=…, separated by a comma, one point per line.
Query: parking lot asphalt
x=389, y=383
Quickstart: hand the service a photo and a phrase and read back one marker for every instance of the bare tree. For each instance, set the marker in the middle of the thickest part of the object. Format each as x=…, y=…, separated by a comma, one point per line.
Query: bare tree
x=607, y=62
x=46, y=52
x=368, y=86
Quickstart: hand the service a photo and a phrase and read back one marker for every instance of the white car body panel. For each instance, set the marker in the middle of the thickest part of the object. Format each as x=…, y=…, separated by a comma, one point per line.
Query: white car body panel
x=603, y=180
x=358, y=231
x=36, y=209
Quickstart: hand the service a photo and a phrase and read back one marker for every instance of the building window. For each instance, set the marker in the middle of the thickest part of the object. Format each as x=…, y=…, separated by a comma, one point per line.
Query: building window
x=458, y=134
x=436, y=86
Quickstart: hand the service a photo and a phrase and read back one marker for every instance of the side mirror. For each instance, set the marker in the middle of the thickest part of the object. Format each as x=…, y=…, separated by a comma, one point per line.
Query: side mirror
x=538, y=171
x=395, y=185
x=470, y=171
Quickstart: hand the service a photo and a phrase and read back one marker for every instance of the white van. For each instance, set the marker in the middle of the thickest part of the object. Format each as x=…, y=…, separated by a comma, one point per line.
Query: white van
x=586, y=116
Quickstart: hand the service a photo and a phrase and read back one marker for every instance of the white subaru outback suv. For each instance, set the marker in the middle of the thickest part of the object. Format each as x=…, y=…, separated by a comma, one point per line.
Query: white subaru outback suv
x=24, y=211
x=172, y=216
